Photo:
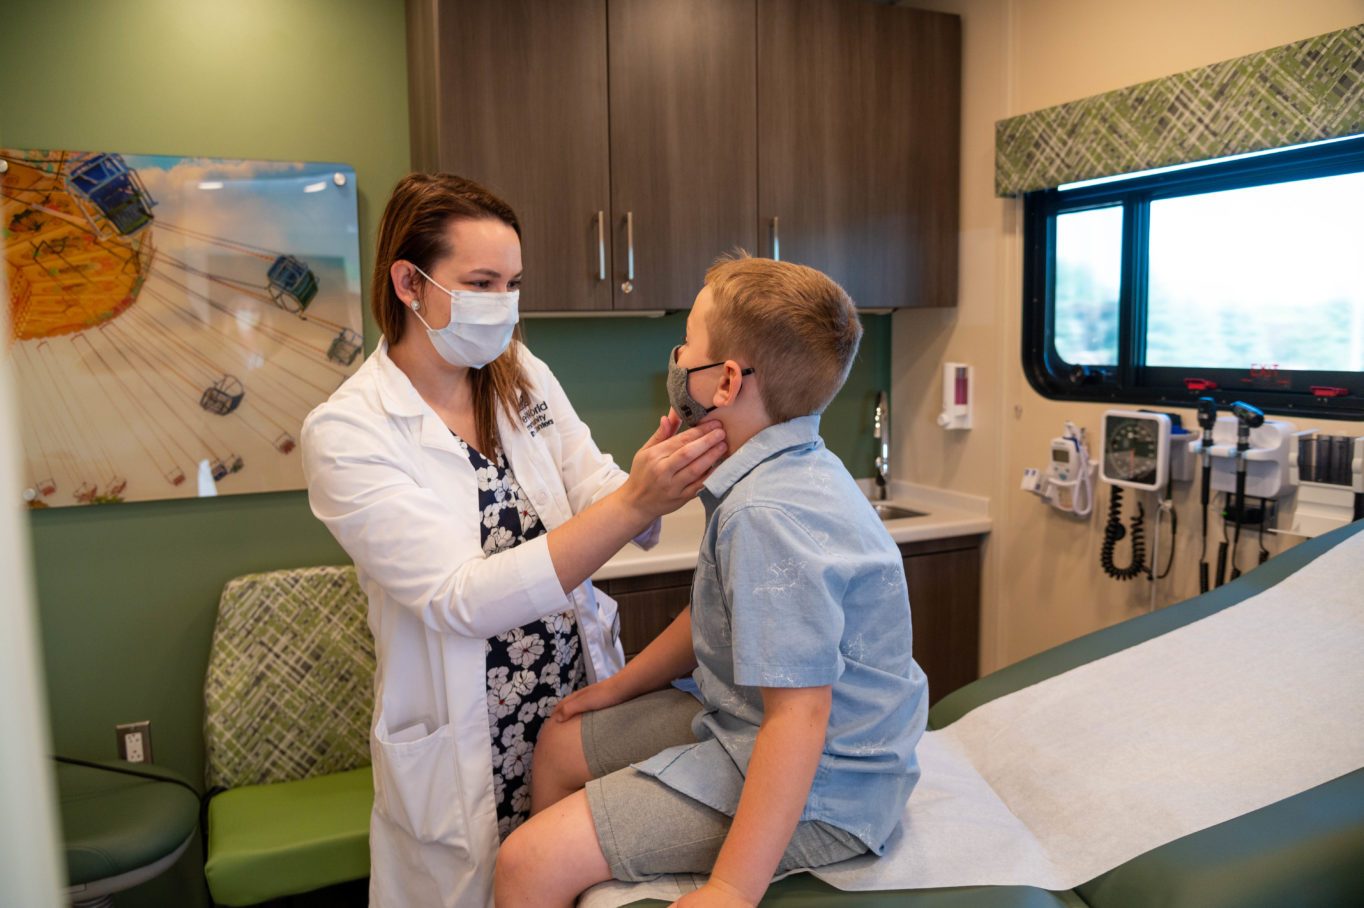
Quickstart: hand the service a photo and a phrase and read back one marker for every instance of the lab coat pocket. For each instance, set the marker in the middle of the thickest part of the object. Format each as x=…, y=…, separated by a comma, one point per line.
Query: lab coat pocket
x=419, y=788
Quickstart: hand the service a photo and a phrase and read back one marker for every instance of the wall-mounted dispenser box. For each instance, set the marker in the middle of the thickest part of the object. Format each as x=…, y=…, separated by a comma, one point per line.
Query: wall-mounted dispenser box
x=958, y=389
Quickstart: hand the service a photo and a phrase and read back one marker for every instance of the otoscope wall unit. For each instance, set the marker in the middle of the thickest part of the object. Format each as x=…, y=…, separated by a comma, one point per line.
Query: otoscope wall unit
x=1266, y=461
x=1328, y=471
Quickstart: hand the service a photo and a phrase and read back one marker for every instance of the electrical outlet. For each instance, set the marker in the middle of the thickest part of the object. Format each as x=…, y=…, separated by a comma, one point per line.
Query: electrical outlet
x=135, y=741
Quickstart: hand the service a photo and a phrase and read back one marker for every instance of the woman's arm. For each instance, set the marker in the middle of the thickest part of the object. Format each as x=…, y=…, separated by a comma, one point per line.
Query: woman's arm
x=428, y=559
x=408, y=540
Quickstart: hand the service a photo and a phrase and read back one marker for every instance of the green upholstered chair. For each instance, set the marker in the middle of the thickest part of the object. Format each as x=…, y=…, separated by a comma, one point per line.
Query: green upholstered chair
x=287, y=703
x=121, y=830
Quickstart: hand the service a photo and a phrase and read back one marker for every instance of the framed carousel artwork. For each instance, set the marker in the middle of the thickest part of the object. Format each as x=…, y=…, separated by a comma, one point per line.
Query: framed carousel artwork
x=172, y=320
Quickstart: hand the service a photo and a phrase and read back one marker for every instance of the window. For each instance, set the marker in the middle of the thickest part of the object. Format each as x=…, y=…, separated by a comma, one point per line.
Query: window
x=1242, y=279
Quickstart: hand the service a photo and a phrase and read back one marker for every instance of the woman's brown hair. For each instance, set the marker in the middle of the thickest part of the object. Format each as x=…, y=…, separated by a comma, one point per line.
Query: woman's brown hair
x=414, y=229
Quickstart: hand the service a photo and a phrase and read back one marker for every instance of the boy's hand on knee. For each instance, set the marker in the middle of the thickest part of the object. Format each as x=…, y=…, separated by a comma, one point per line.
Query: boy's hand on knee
x=590, y=699
x=715, y=894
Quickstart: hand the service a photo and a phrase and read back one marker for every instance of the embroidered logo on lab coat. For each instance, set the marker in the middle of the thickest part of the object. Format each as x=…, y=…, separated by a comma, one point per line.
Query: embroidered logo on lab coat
x=535, y=416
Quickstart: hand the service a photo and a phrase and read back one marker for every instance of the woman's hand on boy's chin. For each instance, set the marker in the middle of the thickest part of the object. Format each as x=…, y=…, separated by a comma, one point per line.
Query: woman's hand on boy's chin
x=715, y=894
x=669, y=470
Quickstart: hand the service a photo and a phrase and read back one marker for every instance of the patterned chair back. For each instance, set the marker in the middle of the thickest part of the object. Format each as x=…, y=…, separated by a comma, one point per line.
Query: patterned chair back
x=289, y=690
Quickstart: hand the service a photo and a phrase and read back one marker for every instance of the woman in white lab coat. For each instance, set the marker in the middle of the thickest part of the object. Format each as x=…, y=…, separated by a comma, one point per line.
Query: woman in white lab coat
x=453, y=470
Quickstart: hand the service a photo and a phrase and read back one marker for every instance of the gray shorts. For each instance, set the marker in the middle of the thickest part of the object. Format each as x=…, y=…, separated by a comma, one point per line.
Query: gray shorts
x=646, y=828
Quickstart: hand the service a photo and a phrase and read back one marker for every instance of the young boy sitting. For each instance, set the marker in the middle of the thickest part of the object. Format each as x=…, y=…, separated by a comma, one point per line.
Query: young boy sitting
x=800, y=749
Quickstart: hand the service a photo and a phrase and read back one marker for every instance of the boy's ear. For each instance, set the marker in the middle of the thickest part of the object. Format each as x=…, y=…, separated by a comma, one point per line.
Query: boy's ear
x=730, y=383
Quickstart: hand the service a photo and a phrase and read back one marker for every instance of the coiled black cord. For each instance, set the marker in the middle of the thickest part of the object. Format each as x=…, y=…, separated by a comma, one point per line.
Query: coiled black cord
x=1114, y=532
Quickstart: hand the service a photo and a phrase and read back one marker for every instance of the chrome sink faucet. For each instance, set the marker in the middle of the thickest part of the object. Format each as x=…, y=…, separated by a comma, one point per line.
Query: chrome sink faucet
x=880, y=431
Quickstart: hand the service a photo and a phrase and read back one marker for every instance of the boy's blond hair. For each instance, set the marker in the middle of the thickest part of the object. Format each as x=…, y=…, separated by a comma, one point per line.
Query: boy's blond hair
x=794, y=325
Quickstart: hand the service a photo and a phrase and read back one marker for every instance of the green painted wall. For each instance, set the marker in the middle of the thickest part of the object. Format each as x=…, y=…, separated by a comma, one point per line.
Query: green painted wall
x=127, y=595
x=614, y=369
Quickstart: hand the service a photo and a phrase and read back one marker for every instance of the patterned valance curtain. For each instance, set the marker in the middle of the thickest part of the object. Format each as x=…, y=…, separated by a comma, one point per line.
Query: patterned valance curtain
x=1300, y=92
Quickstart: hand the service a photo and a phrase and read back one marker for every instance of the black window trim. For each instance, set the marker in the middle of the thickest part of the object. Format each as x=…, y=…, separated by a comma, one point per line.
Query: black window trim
x=1128, y=383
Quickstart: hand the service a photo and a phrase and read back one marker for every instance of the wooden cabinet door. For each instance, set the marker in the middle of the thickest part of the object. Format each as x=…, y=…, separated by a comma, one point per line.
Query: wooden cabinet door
x=858, y=144
x=683, y=143
x=944, y=605
x=512, y=93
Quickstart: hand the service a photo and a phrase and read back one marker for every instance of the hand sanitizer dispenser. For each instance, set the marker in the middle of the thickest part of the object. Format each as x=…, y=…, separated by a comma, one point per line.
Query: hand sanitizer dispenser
x=957, y=391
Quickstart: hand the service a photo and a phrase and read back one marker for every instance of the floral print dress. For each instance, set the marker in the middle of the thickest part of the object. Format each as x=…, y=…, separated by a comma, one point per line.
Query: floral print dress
x=530, y=668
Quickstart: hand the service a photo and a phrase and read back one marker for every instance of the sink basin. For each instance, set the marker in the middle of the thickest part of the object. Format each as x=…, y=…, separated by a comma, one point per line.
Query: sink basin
x=893, y=512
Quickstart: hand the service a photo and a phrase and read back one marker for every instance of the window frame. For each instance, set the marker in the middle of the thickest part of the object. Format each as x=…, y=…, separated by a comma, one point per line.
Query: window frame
x=1281, y=392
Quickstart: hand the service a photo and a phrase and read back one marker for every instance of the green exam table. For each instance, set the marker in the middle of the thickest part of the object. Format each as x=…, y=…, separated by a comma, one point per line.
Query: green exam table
x=1306, y=851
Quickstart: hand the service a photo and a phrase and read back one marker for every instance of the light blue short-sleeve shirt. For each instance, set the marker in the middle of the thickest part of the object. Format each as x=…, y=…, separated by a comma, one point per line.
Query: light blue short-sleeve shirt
x=798, y=584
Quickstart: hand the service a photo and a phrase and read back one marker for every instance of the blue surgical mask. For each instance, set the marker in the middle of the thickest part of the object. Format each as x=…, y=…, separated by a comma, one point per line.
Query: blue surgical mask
x=480, y=329
x=689, y=410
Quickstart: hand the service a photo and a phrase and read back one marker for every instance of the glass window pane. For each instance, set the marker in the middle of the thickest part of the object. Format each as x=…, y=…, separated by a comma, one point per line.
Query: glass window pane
x=1088, y=273
x=1266, y=276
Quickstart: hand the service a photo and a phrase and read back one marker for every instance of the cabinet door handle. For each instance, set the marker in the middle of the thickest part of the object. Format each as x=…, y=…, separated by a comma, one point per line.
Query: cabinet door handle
x=629, y=284
x=776, y=239
x=601, y=245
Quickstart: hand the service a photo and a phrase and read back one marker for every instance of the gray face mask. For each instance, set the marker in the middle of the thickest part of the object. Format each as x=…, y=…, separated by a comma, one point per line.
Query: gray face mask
x=690, y=410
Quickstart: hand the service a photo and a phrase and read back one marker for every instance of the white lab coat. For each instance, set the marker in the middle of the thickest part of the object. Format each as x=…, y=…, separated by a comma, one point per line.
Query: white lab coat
x=388, y=479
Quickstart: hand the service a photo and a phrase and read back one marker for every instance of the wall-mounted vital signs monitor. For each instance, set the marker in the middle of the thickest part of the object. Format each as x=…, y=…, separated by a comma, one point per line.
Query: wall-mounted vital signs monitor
x=1136, y=449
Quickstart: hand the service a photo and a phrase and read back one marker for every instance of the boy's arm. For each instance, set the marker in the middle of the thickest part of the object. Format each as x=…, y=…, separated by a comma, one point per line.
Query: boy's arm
x=667, y=658
x=780, y=773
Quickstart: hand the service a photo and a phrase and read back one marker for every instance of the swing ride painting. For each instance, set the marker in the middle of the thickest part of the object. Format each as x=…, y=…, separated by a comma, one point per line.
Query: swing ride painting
x=174, y=319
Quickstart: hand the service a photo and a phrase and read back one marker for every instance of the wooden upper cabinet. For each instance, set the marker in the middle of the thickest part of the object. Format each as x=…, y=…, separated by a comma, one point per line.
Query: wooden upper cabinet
x=512, y=93
x=690, y=126
x=858, y=145
x=684, y=156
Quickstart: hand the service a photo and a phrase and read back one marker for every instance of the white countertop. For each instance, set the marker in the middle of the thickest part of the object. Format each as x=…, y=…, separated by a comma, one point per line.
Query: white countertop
x=946, y=514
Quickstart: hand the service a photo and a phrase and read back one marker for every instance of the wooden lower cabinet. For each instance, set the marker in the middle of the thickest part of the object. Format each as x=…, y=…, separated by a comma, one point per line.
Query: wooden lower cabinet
x=944, y=595
x=944, y=603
